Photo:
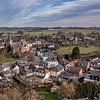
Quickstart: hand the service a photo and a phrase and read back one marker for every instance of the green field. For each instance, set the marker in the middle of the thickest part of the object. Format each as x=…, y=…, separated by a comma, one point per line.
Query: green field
x=47, y=95
x=38, y=33
x=5, y=60
x=48, y=32
x=83, y=31
x=83, y=50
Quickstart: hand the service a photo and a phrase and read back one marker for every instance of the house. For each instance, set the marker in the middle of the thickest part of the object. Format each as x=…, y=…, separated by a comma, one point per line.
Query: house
x=6, y=74
x=55, y=71
x=71, y=64
x=22, y=71
x=51, y=61
x=83, y=63
x=32, y=67
x=37, y=42
x=2, y=79
x=89, y=38
x=95, y=64
x=15, y=69
x=40, y=73
x=26, y=68
x=2, y=46
x=1, y=68
x=49, y=45
x=92, y=76
x=47, y=73
x=16, y=47
x=26, y=48
x=65, y=76
x=54, y=88
x=77, y=72
x=48, y=55
x=41, y=52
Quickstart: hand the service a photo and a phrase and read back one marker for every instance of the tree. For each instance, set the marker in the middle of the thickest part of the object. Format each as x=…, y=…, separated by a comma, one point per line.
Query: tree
x=9, y=51
x=9, y=48
x=88, y=89
x=66, y=56
x=16, y=55
x=68, y=90
x=20, y=32
x=75, y=53
x=76, y=90
x=31, y=95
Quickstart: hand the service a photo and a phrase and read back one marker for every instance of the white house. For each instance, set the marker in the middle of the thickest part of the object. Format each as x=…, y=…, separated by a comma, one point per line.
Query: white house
x=52, y=62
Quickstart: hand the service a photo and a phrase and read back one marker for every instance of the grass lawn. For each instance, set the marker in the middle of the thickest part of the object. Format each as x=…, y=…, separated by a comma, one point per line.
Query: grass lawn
x=4, y=59
x=83, y=31
x=47, y=95
x=38, y=33
x=48, y=32
x=83, y=50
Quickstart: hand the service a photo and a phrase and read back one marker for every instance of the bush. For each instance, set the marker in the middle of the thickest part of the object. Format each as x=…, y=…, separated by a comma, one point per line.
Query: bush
x=88, y=89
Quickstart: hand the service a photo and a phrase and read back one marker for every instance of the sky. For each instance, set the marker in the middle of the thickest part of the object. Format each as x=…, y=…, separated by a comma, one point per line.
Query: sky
x=49, y=13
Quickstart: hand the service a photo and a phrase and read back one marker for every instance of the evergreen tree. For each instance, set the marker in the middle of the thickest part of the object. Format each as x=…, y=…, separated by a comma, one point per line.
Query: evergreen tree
x=9, y=48
x=75, y=53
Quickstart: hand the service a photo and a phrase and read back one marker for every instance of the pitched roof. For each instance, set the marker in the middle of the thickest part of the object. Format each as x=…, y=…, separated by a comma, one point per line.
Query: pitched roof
x=82, y=63
x=51, y=59
x=66, y=75
x=95, y=73
x=73, y=63
x=49, y=54
x=57, y=68
x=74, y=70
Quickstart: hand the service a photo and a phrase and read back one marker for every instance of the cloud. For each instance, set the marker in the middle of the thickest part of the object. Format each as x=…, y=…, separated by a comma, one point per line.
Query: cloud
x=50, y=12
x=23, y=3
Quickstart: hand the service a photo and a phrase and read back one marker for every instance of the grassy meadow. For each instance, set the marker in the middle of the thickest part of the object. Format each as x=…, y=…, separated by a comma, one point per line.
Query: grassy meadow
x=47, y=95
x=83, y=31
x=83, y=50
x=5, y=59
x=48, y=32
x=37, y=33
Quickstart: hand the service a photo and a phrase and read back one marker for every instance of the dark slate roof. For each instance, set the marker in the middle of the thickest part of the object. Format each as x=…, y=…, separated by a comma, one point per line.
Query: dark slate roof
x=98, y=60
x=12, y=66
x=7, y=72
x=1, y=66
x=43, y=50
x=22, y=61
x=66, y=75
x=95, y=73
x=51, y=59
x=48, y=54
x=31, y=67
x=57, y=68
x=82, y=63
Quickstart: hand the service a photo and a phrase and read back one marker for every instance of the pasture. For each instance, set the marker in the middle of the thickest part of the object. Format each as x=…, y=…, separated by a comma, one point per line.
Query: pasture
x=83, y=50
x=51, y=31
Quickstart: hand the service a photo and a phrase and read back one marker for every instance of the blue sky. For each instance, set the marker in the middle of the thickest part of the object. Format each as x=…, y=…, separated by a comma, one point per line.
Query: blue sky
x=49, y=13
